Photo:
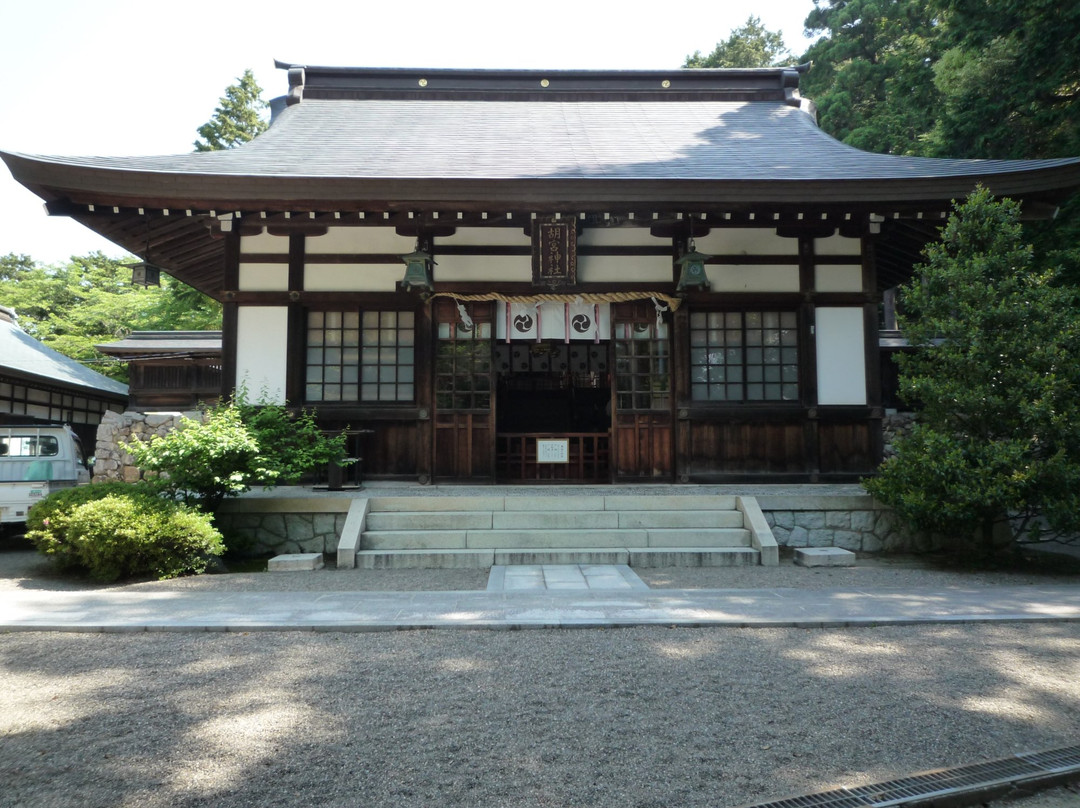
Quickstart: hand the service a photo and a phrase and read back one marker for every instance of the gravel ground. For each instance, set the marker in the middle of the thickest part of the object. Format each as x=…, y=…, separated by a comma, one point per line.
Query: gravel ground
x=627, y=717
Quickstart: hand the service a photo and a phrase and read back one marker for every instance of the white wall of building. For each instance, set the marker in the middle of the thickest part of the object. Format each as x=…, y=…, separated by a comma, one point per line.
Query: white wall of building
x=261, y=345
x=841, y=355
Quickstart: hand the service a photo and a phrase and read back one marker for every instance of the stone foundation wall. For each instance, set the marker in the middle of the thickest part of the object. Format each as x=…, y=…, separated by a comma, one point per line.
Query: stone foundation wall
x=272, y=525
x=273, y=533
x=856, y=523
x=112, y=461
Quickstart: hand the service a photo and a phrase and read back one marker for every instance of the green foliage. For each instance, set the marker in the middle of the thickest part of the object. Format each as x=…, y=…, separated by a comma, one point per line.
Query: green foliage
x=997, y=375
x=872, y=80
x=201, y=463
x=236, y=446
x=90, y=300
x=752, y=45
x=237, y=118
x=45, y=520
x=115, y=534
x=290, y=442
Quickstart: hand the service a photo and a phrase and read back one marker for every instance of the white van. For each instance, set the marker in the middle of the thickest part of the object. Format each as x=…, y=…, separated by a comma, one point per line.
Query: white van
x=35, y=460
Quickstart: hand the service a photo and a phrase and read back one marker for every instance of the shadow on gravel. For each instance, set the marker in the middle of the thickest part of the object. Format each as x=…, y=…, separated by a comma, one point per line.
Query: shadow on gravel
x=629, y=717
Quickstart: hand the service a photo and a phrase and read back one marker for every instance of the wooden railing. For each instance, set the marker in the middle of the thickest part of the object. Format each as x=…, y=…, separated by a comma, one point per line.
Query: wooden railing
x=588, y=457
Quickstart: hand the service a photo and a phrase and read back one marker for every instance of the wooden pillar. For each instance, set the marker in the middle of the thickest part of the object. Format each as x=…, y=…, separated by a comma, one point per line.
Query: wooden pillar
x=425, y=399
x=294, y=359
x=229, y=314
x=808, y=358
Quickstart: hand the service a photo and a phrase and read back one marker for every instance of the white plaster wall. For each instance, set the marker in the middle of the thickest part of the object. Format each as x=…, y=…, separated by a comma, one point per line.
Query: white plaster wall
x=837, y=245
x=624, y=269
x=746, y=241
x=264, y=243
x=361, y=240
x=481, y=268
x=837, y=278
x=739, y=278
x=484, y=236
x=261, y=342
x=264, y=277
x=841, y=355
x=352, y=277
x=621, y=237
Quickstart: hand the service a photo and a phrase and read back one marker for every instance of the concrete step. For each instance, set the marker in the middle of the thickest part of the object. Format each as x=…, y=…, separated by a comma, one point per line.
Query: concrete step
x=680, y=519
x=549, y=539
x=694, y=557
x=424, y=559
x=429, y=520
x=414, y=540
x=634, y=556
x=699, y=537
x=555, y=520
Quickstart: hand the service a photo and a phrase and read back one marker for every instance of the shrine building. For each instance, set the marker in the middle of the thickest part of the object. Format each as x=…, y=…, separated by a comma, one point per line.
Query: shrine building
x=523, y=275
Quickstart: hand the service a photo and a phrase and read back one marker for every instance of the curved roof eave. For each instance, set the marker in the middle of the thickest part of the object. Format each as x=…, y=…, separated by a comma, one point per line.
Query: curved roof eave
x=91, y=184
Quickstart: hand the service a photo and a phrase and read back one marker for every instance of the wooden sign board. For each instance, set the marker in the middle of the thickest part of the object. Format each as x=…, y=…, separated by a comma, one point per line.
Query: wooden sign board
x=555, y=254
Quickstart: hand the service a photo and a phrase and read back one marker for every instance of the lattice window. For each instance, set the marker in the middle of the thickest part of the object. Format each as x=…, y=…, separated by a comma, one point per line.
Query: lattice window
x=744, y=356
x=642, y=365
x=463, y=366
x=354, y=356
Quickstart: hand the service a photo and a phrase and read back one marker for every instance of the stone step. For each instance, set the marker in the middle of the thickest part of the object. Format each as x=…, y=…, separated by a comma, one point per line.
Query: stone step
x=549, y=539
x=699, y=537
x=694, y=557
x=414, y=540
x=681, y=519
x=481, y=559
x=424, y=559
x=555, y=520
x=428, y=520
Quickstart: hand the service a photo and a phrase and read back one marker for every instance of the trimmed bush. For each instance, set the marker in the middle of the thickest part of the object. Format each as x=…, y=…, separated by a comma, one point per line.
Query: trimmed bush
x=125, y=534
x=46, y=522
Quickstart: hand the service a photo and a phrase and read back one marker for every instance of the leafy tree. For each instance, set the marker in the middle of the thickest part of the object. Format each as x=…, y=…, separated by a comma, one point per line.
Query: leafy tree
x=997, y=375
x=89, y=300
x=752, y=45
x=237, y=118
x=872, y=79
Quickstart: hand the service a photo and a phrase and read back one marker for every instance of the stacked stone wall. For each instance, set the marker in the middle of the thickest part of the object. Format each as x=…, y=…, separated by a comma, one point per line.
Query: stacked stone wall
x=111, y=458
x=854, y=523
x=894, y=425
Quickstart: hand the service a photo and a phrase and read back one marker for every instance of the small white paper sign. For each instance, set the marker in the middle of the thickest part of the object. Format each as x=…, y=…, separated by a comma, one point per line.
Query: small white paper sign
x=553, y=450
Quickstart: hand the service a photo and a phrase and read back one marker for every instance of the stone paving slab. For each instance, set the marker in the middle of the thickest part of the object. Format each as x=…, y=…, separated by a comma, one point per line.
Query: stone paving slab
x=373, y=611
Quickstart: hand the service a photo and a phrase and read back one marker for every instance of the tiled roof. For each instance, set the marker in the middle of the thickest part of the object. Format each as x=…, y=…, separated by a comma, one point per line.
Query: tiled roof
x=553, y=140
x=22, y=354
x=164, y=342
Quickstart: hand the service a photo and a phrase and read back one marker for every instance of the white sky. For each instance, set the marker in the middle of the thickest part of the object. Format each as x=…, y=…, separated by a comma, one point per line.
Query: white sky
x=127, y=77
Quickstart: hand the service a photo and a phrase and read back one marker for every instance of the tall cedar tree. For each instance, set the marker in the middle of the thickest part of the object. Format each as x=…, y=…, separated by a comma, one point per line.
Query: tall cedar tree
x=237, y=118
x=996, y=373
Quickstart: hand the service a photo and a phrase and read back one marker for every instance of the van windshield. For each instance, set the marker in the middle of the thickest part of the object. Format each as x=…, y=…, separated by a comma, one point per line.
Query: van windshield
x=29, y=446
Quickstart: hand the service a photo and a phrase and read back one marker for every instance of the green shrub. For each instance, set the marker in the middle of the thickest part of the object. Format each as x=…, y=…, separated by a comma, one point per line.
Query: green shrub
x=129, y=534
x=236, y=446
x=46, y=521
x=202, y=463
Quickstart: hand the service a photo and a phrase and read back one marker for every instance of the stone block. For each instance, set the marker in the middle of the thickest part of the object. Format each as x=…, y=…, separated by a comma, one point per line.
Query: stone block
x=131, y=474
x=810, y=519
x=848, y=539
x=295, y=562
x=784, y=519
x=798, y=537
x=838, y=519
x=820, y=537
x=824, y=557
x=862, y=521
